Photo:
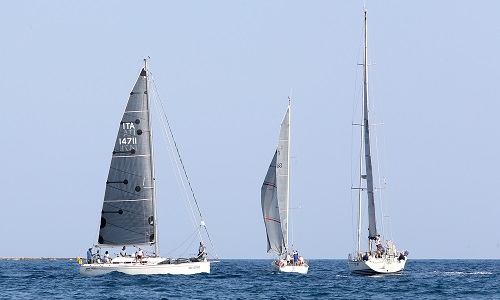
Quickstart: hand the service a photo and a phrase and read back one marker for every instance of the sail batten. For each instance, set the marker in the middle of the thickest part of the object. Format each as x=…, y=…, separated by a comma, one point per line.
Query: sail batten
x=123, y=200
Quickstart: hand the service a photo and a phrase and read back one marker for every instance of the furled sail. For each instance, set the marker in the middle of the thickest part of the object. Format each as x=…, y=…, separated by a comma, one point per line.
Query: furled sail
x=128, y=212
x=282, y=173
x=270, y=211
x=372, y=229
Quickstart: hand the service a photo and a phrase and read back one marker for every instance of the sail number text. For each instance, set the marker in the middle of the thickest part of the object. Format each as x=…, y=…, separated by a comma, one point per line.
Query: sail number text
x=127, y=141
x=129, y=132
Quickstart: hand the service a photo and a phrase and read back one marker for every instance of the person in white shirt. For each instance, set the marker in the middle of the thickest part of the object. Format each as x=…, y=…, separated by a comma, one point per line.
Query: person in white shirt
x=106, y=258
x=201, y=250
x=139, y=255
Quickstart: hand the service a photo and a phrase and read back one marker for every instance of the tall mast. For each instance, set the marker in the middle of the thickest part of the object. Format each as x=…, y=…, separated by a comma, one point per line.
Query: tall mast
x=156, y=246
x=368, y=159
x=288, y=171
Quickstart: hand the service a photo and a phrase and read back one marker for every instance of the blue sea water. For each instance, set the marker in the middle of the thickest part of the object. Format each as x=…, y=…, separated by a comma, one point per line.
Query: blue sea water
x=255, y=279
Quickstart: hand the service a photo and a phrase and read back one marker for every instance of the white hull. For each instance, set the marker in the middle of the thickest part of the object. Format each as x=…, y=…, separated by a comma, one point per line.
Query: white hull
x=375, y=266
x=184, y=268
x=294, y=269
x=302, y=269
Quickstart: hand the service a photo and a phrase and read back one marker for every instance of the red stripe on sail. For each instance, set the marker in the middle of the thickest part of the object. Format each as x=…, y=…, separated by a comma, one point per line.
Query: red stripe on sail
x=271, y=219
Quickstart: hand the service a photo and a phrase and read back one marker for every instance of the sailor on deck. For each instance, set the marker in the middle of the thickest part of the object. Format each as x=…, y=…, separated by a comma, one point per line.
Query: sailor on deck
x=201, y=250
x=106, y=258
x=139, y=255
x=295, y=257
x=89, y=255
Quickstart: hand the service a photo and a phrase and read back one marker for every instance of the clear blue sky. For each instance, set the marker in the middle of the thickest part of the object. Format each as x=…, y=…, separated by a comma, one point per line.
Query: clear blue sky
x=224, y=70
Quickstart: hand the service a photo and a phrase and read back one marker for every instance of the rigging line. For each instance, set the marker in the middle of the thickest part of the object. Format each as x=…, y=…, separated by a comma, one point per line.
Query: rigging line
x=356, y=90
x=189, y=237
x=175, y=165
x=353, y=173
x=374, y=130
x=388, y=197
x=356, y=102
x=183, y=167
x=377, y=155
x=354, y=109
x=383, y=207
x=191, y=244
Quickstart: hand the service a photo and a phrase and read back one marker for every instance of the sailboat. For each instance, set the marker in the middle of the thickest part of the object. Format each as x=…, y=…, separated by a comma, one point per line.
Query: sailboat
x=275, y=194
x=377, y=259
x=129, y=216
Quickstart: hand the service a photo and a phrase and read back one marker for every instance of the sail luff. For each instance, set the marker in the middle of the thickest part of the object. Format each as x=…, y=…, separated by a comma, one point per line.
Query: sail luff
x=282, y=173
x=155, y=220
x=368, y=160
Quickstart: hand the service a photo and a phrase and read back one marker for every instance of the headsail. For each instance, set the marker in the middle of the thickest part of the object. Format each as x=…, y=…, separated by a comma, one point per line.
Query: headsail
x=127, y=216
x=270, y=211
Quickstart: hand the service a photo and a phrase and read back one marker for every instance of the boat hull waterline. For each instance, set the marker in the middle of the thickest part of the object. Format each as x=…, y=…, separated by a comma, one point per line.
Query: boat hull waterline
x=376, y=266
x=301, y=269
x=294, y=269
x=187, y=268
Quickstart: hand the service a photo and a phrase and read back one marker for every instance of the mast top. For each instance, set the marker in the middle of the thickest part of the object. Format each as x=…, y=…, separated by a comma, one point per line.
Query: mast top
x=145, y=69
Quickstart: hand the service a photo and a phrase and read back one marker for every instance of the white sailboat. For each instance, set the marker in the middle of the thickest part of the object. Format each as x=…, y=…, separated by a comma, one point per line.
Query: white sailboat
x=275, y=194
x=128, y=216
x=377, y=259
